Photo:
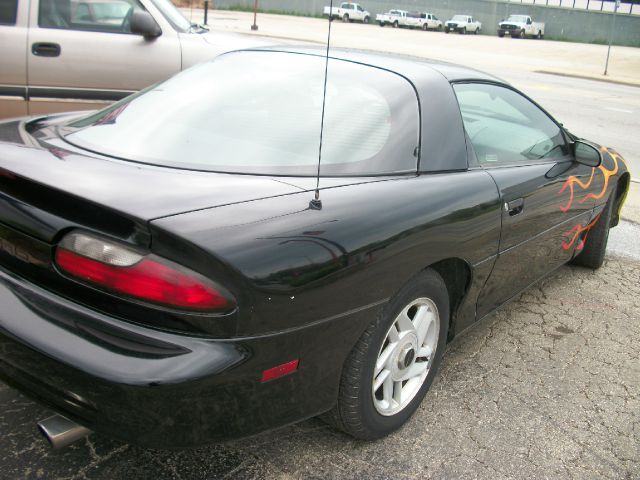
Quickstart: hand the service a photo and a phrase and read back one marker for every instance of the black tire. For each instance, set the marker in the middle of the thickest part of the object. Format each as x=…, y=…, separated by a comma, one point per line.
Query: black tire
x=539, y=36
x=501, y=35
x=366, y=20
x=446, y=30
x=439, y=28
x=345, y=18
x=425, y=27
x=382, y=24
x=355, y=412
x=463, y=31
x=395, y=24
x=595, y=246
x=522, y=34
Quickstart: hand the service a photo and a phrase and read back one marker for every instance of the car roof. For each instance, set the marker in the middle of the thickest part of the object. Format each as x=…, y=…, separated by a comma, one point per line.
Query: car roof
x=408, y=66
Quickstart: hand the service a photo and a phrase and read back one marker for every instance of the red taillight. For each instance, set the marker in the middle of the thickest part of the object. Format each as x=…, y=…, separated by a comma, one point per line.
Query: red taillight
x=121, y=270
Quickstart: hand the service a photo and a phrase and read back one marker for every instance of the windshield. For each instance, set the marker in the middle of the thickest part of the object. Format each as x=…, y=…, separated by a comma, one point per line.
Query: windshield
x=517, y=18
x=173, y=15
x=260, y=112
x=459, y=18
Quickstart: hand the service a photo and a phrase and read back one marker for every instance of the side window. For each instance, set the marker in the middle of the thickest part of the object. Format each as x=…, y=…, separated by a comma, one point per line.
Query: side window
x=360, y=9
x=505, y=127
x=112, y=16
x=8, y=12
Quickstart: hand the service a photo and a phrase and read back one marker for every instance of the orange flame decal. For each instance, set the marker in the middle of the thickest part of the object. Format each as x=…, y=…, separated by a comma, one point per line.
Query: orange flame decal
x=606, y=174
x=575, y=234
x=571, y=181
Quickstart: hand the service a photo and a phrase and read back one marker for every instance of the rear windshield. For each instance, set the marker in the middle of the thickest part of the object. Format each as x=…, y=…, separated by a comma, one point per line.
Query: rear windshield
x=260, y=112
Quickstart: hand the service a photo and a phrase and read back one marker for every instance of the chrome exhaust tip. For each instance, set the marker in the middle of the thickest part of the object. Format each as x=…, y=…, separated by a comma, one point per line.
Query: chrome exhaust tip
x=60, y=431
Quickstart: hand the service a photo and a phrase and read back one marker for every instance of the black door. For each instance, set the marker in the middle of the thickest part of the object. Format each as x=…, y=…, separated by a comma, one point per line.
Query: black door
x=545, y=207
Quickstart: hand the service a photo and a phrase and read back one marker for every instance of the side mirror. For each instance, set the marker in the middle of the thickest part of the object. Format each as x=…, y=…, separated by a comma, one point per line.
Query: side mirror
x=586, y=154
x=142, y=23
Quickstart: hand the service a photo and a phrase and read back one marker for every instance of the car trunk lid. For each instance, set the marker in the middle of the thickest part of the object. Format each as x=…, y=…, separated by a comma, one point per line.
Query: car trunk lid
x=47, y=185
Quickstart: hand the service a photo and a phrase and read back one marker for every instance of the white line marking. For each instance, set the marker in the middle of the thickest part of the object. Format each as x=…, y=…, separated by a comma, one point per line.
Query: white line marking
x=613, y=109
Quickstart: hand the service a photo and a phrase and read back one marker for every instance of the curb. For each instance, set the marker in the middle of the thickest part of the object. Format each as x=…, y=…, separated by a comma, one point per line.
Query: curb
x=590, y=77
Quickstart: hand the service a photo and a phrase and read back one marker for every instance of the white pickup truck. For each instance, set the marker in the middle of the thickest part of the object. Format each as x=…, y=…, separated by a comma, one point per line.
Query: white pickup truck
x=462, y=24
x=348, y=12
x=520, y=26
x=403, y=18
x=61, y=55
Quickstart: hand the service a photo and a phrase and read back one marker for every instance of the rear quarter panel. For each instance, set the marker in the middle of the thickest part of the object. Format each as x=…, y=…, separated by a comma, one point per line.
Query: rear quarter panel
x=291, y=266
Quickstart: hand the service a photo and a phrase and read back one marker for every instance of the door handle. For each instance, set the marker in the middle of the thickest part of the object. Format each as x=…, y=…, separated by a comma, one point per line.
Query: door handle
x=514, y=207
x=45, y=49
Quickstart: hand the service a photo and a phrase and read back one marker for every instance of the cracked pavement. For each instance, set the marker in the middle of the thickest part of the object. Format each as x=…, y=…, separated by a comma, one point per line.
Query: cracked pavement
x=548, y=387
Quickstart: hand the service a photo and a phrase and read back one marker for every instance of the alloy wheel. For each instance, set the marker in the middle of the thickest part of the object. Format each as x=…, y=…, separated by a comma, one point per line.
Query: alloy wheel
x=405, y=357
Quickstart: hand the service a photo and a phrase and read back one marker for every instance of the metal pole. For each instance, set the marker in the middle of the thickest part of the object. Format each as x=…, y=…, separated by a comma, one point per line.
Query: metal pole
x=613, y=26
x=206, y=11
x=255, y=14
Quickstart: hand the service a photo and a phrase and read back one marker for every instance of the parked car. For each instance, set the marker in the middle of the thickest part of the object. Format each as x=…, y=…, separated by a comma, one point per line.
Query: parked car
x=348, y=12
x=82, y=54
x=171, y=272
x=521, y=26
x=432, y=22
x=462, y=24
x=403, y=18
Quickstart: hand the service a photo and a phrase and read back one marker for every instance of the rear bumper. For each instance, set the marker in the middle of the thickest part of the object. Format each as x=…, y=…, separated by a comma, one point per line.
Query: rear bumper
x=160, y=389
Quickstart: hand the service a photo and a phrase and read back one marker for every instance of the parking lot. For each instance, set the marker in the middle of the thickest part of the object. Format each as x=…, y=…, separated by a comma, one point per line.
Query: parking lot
x=548, y=387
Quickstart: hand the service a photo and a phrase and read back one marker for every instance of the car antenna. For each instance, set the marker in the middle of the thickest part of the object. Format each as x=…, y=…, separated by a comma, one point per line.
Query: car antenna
x=316, y=203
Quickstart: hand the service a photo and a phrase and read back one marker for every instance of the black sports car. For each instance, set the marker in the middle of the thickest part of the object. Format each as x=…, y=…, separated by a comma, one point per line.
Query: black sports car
x=170, y=274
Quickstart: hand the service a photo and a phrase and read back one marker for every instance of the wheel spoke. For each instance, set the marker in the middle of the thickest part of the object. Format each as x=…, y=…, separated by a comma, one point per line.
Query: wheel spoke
x=415, y=370
x=387, y=390
x=393, y=334
x=404, y=322
x=380, y=379
x=422, y=321
x=397, y=392
x=384, y=358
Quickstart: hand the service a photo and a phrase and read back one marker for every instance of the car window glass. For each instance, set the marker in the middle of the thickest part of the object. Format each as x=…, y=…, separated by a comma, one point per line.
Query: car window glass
x=8, y=12
x=504, y=126
x=113, y=16
x=220, y=117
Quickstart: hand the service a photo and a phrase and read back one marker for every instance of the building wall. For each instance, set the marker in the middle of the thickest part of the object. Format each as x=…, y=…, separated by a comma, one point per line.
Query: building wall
x=574, y=25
